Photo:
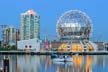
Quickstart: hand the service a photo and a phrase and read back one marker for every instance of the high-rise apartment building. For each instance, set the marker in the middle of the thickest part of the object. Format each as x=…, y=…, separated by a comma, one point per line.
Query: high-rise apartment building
x=12, y=35
x=9, y=35
x=30, y=25
x=4, y=34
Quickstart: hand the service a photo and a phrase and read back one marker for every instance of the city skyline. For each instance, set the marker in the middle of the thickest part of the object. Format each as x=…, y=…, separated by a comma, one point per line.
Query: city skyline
x=50, y=11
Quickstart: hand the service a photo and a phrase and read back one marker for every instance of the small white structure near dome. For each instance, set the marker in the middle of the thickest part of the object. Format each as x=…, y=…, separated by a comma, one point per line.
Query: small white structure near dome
x=31, y=44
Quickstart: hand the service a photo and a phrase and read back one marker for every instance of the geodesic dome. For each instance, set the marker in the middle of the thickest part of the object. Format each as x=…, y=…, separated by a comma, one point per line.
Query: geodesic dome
x=74, y=23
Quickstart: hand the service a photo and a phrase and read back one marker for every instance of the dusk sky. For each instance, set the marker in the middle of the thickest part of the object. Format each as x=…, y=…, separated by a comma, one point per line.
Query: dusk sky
x=50, y=10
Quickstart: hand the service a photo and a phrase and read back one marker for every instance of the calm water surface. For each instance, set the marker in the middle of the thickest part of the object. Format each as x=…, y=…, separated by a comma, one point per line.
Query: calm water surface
x=34, y=63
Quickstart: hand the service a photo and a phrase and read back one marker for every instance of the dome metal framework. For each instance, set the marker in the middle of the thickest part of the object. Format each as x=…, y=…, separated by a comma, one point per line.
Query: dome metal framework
x=74, y=23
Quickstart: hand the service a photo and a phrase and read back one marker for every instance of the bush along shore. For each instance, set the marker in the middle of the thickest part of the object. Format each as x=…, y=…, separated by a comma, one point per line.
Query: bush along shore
x=8, y=48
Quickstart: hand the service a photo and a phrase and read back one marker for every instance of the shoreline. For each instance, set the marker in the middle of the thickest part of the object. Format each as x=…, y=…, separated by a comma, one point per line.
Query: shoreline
x=53, y=52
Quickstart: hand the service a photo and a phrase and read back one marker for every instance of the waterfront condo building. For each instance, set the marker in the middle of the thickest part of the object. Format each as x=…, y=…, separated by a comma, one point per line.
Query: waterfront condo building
x=9, y=35
x=30, y=25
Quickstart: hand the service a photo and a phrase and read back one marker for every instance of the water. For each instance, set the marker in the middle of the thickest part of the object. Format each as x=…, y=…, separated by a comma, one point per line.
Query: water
x=34, y=63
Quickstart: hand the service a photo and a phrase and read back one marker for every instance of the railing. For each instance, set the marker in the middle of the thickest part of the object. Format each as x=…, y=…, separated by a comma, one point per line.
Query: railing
x=83, y=45
x=94, y=45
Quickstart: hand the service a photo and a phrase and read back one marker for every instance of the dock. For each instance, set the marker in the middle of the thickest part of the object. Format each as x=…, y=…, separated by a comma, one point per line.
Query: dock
x=53, y=52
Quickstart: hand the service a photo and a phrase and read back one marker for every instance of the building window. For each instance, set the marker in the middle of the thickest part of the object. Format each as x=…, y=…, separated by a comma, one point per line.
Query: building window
x=25, y=46
x=30, y=46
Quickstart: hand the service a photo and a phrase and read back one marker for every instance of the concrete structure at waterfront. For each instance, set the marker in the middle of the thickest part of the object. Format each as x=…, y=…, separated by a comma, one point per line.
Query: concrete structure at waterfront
x=31, y=45
x=30, y=25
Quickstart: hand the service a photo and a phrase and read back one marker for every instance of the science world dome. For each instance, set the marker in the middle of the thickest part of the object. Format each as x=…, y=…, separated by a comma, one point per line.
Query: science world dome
x=74, y=24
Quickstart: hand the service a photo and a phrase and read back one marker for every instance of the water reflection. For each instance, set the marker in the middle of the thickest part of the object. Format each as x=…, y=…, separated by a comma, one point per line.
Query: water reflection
x=28, y=63
x=34, y=63
x=79, y=64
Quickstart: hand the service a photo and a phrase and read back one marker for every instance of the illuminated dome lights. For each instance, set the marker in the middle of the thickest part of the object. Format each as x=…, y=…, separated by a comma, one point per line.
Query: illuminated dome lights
x=74, y=23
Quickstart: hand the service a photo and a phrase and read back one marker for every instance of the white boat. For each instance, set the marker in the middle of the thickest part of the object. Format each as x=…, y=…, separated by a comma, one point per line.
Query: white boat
x=63, y=63
x=63, y=59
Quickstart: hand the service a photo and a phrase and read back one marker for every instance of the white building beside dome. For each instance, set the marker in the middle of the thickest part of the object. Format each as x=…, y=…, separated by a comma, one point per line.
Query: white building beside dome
x=31, y=44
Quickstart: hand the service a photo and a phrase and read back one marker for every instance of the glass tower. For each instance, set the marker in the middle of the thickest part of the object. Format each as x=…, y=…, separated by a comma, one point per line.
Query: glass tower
x=30, y=25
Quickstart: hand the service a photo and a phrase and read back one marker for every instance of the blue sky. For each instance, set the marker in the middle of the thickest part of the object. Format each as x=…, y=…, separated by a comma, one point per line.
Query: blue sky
x=50, y=10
